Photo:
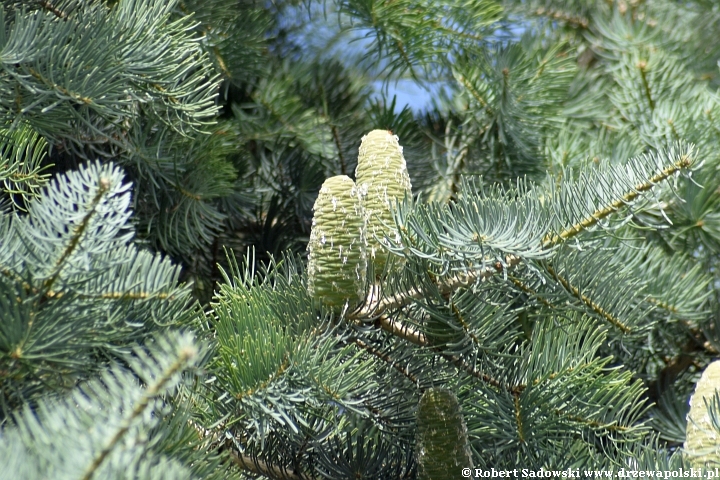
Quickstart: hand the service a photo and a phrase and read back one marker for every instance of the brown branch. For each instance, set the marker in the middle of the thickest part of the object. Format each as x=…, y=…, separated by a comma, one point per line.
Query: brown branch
x=377, y=306
x=574, y=20
x=338, y=143
x=387, y=359
x=400, y=330
x=259, y=467
x=53, y=9
x=216, y=439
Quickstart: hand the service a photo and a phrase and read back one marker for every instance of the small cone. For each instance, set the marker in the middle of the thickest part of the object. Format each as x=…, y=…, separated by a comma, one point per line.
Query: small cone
x=442, y=443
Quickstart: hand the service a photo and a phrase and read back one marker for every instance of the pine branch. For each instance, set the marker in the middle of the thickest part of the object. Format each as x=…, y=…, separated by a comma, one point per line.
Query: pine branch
x=376, y=304
x=259, y=467
x=376, y=308
x=387, y=359
x=74, y=241
x=52, y=8
x=569, y=18
x=588, y=301
x=184, y=357
x=530, y=291
x=642, y=66
x=108, y=426
x=550, y=241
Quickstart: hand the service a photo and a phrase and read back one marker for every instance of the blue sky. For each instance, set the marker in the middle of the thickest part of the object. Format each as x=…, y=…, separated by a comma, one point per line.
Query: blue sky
x=408, y=93
x=321, y=35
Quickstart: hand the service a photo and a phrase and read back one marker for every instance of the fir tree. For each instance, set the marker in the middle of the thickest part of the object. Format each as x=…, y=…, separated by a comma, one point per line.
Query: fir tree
x=540, y=281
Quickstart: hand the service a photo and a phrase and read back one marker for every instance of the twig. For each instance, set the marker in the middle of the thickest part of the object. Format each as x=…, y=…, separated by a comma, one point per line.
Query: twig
x=376, y=304
x=377, y=307
x=52, y=8
x=386, y=358
x=261, y=468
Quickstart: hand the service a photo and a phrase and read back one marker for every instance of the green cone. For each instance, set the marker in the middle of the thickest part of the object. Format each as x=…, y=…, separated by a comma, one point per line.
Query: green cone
x=383, y=179
x=442, y=444
x=702, y=440
x=337, y=260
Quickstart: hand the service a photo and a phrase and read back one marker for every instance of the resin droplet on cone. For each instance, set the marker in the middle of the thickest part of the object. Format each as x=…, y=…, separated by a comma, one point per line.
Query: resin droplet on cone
x=702, y=440
x=383, y=179
x=337, y=260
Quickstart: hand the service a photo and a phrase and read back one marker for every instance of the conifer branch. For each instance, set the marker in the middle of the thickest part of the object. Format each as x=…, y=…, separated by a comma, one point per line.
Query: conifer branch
x=53, y=9
x=553, y=240
x=642, y=65
x=185, y=355
x=458, y=315
x=575, y=291
x=569, y=18
x=416, y=337
x=518, y=418
x=143, y=295
x=280, y=370
x=376, y=307
x=661, y=304
x=456, y=33
x=376, y=304
x=259, y=467
x=75, y=96
x=593, y=423
x=476, y=95
x=460, y=364
x=530, y=291
x=103, y=187
x=400, y=330
x=387, y=359
x=245, y=462
x=130, y=296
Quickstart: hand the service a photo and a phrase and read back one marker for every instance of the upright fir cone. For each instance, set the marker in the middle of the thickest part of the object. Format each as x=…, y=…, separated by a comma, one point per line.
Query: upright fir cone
x=383, y=179
x=702, y=440
x=442, y=443
x=337, y=260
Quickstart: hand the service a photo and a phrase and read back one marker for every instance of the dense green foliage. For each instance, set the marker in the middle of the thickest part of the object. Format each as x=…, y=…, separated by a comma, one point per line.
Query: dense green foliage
x=554, y=273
